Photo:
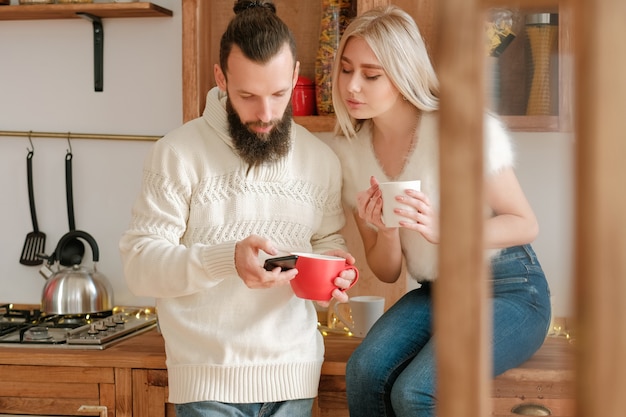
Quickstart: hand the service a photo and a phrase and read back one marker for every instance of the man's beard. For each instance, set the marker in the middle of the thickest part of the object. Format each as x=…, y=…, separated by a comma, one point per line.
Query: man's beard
x=258, y=148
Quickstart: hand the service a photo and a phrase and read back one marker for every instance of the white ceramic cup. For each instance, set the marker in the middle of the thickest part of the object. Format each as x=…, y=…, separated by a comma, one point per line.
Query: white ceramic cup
x=390, y=190
x=365, y=310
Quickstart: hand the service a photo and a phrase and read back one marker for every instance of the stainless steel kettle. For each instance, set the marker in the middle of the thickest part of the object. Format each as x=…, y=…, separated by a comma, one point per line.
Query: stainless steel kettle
x=76, y=290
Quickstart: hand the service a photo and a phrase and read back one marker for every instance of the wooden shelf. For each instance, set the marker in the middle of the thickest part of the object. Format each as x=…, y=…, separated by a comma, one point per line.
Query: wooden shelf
x=316, y=123
x=70, y=11
x=531, y=123
x=513, y=123
x=94, y=12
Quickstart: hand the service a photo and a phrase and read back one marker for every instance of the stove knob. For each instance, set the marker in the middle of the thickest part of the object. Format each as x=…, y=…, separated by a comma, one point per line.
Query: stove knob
x=109, y=323
x=100, y=326
x=92, y=329
x=119, y=319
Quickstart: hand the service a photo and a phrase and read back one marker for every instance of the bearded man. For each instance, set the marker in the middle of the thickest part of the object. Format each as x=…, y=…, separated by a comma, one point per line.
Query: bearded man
x=219, y=195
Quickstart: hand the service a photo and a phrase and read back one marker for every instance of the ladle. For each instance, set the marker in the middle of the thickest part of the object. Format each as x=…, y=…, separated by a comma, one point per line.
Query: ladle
x=73, y=249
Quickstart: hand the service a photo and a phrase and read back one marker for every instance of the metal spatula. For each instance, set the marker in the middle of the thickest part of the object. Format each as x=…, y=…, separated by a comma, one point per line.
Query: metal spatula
x=35, y=243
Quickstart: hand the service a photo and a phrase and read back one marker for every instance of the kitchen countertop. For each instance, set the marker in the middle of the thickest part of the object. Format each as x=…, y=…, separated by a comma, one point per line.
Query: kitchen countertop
x=147, y=351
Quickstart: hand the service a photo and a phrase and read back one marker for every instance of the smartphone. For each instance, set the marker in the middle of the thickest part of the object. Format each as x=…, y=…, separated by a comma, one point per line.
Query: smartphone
x=284, y=262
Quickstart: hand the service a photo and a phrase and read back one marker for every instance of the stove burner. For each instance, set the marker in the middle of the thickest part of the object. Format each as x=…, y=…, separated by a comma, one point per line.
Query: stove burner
x=12, y=319
x=89, y=331
x=72, y=321
x=37, y=333
x=10, y=314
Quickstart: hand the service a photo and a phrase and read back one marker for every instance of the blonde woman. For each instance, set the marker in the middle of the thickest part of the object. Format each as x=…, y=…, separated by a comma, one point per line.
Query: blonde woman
x=385, y=98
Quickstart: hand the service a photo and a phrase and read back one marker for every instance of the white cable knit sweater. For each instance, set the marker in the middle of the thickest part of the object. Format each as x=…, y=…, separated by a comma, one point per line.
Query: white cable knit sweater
x=224, y=341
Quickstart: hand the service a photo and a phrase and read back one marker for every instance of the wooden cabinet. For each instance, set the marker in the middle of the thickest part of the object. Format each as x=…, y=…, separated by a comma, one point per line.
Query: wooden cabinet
x=150, y=394
x=59, y=390
x=128, y=380
x=204, y=22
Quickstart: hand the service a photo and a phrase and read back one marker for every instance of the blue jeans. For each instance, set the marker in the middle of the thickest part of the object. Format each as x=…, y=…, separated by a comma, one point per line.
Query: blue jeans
x=292, y=408
x=392, y=372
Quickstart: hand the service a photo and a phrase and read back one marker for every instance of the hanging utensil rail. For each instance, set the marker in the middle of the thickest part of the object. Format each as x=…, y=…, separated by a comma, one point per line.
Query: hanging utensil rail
x=64, y=135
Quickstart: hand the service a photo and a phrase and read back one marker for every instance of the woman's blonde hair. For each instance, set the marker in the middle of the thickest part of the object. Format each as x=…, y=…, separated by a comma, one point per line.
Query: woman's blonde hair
x=397, y=42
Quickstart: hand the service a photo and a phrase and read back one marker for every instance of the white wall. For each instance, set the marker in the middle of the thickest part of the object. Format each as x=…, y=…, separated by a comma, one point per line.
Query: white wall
x=46, y=84
x=545, y=168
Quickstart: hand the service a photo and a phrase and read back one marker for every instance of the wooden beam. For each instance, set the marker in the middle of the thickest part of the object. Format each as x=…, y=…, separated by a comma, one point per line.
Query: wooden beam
x=461, y=319
x=600, y=254
x=197, y=70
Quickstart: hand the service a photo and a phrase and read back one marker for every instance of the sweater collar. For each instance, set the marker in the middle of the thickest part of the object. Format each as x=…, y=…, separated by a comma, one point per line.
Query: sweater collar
x=215, y=114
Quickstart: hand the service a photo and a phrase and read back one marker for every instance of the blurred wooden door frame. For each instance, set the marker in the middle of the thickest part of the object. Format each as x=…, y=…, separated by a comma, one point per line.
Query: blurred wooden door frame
x=600, y=252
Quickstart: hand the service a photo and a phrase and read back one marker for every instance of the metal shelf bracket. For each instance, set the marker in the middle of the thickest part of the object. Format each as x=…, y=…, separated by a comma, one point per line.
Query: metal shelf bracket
x=98, y=49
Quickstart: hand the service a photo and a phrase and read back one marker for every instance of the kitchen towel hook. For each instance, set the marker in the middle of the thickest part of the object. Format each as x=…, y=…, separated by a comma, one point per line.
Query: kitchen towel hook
x=30, y=139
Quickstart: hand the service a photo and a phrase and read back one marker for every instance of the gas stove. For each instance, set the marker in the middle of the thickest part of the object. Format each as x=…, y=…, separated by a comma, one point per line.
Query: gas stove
x=32, y=328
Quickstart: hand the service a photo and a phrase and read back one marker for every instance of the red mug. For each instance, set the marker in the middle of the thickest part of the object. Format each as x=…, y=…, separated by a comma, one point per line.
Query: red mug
x=316, y=275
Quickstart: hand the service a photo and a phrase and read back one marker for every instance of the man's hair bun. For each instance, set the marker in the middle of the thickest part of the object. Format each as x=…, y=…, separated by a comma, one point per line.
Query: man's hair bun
x=243, y=5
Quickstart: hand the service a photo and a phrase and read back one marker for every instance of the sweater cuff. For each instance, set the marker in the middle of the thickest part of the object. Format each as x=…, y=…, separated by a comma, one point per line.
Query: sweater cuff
x=219, y=260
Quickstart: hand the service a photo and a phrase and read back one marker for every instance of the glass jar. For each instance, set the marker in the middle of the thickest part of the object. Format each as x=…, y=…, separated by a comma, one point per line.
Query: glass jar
x=542, y=31
x=327, y=49
x=336, y=15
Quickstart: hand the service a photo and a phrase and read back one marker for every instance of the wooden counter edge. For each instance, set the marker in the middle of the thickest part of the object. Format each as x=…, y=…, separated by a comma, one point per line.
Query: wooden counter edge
x=553, y=361
x=145, y=350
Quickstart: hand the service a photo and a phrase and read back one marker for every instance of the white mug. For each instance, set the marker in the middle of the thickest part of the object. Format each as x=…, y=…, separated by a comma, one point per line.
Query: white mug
x=390, y=190
x=365, y=310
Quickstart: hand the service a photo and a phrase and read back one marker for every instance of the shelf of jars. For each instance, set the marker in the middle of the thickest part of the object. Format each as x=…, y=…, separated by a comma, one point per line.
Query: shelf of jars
x=203, y=24
x=527, y=82
x=528, y=79
x=73, y=10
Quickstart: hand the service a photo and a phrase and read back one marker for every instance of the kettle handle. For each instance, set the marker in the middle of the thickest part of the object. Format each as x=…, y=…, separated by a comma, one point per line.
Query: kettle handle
x=78, y=234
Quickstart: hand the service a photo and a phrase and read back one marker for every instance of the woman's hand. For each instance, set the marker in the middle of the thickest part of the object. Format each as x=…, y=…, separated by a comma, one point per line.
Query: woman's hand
x=425, y=221
x=370, y=204
x=426, y=218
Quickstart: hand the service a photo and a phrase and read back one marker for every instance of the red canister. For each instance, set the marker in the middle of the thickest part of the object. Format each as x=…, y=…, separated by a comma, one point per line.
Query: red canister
x=303, y=97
